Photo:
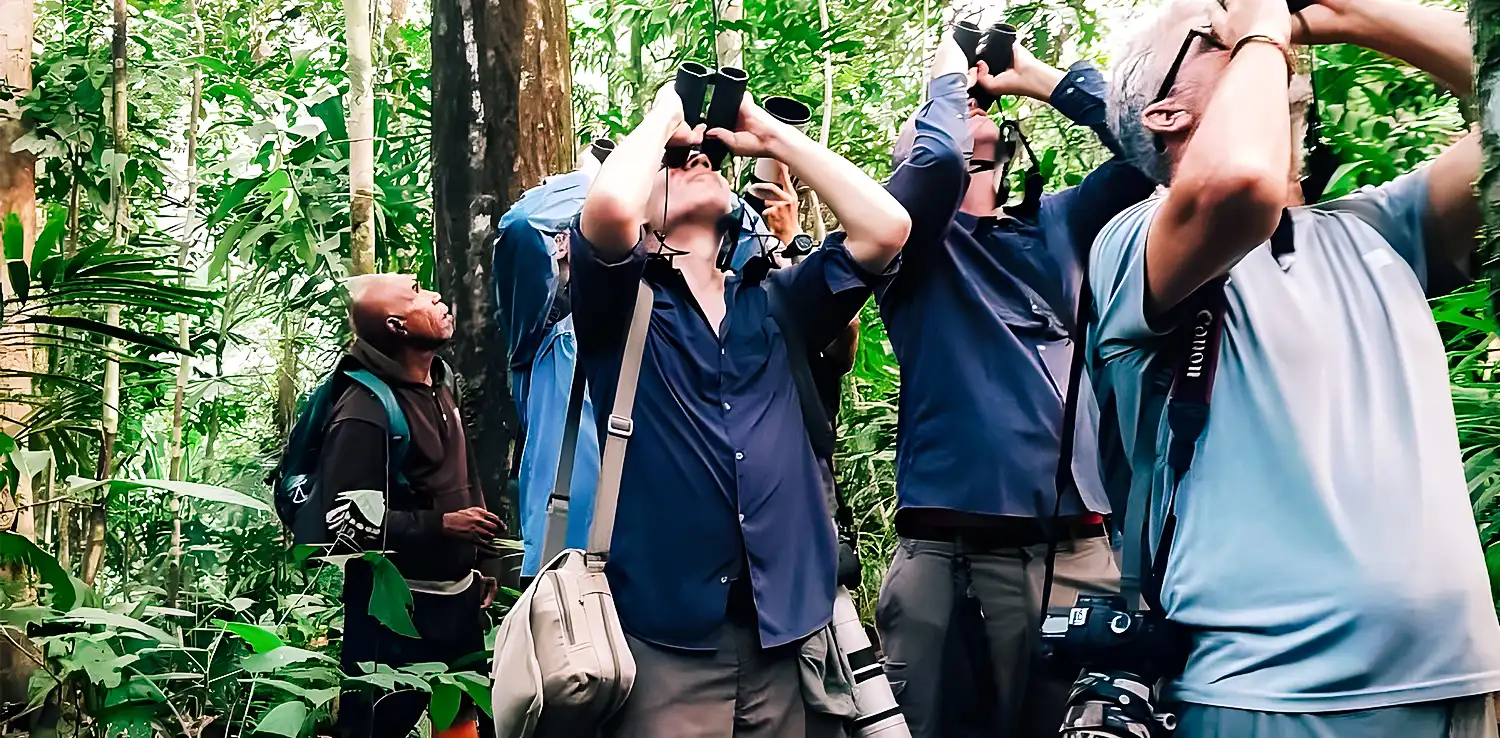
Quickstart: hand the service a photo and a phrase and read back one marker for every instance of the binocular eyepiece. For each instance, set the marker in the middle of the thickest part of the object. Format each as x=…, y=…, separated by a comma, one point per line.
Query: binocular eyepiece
x=995, y=47
x=601, y=148
x=693, y=80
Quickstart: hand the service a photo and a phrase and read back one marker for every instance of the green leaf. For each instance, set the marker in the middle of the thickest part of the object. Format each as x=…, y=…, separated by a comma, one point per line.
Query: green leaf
x=98, y=327
x=261, y=639
x=280, y=657
x=51, y=234
x=20, y=279
x=16, y=548
x=95, y=616
x=285, y=720
x=230, y=201
x=200, y=491
x=14, y=237
x=446, y=699
x=478, y=687
x=390, y=597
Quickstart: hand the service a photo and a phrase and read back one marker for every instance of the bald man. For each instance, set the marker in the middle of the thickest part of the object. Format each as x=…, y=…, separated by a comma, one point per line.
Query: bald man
x=435, y=527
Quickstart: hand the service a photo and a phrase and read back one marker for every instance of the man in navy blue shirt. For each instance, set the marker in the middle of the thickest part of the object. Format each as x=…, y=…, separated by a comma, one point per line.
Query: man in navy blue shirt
x=723, y=557
x=980, y=318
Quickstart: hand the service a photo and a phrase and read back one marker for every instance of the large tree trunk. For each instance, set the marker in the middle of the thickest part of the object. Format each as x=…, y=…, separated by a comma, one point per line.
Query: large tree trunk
x=486, y=148
x=361, y=125
x=729, y=46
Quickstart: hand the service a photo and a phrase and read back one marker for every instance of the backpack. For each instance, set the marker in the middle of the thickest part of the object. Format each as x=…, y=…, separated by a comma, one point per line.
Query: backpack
x=294, y=481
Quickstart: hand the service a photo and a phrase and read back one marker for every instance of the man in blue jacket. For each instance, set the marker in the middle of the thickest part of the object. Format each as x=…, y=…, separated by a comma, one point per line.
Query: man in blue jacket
x=980, y=318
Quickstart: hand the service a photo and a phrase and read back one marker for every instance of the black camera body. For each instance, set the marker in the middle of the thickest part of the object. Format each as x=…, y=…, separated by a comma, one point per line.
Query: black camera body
x=1121, y=654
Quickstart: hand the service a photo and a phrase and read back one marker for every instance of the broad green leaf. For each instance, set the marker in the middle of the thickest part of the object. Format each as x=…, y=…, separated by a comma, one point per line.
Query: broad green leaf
x=51, y=234
x=95, y=616
x=14, y=237
x=446, y=699
x=478, y=687
x=20, y=279
x=99, y=327
x=201, y=491
x=260, y=638
x=231, y=200
x=285, y=720
x=277, y=658
x=17, y=549
x=425, y=669
x=390, y=597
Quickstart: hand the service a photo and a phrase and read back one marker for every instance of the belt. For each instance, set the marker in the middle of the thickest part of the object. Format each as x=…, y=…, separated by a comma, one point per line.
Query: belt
x=1004, y=532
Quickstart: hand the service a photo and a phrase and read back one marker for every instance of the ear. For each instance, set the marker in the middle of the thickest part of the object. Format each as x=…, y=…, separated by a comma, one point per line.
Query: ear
x=396, y=325
x=1168, y=118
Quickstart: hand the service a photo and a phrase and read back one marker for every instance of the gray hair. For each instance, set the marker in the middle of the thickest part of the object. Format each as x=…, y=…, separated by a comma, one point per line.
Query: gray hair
x=1137, y=78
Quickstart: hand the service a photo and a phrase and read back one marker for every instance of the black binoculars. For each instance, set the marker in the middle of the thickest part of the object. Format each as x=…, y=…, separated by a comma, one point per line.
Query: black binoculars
x=995, y=47
x=693, y=80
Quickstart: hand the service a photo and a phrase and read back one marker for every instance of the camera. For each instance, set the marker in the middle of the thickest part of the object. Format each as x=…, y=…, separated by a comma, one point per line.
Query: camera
x=1121, y=655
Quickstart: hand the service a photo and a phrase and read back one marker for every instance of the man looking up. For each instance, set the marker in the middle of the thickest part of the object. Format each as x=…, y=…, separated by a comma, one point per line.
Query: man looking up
x=980, y=318
x=1331, y=433
x=434, y=528
x=723, y=556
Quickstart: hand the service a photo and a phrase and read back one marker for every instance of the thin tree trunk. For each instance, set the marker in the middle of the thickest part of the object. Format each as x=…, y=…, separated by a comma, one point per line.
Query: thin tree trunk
x=286, y=374
x=638, y=92
x=361, y=125
x=477, y=48
x=120, y=127
x=178, y=470
x=93, y=559
x=729, y=46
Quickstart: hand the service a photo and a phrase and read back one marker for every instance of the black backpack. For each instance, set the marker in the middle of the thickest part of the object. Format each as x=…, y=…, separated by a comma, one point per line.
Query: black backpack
x=294, y=482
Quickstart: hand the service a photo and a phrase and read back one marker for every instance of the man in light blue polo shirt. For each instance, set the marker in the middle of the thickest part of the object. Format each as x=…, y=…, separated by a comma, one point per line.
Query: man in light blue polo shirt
x=1325, y=559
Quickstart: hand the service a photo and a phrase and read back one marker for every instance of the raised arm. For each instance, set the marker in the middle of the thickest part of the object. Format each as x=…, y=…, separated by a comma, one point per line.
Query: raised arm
x=1233, y=177
x=615, y=210
x=1437, y=42
x=876, y=224
x=930, y=181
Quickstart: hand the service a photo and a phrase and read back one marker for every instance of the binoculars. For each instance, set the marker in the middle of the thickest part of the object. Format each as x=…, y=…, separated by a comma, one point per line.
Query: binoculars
x=692, y=83
x=770, y=171
x=995, y=47
x=693, y=80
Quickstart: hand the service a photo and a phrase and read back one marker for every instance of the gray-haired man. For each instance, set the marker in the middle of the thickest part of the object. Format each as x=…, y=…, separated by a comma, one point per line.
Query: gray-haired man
x=1325, y=559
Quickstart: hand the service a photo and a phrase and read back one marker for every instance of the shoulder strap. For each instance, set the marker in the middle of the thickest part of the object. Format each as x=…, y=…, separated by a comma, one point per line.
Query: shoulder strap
x=619, y=426
x=395, y=418
x=819, y=426
x=554, y=536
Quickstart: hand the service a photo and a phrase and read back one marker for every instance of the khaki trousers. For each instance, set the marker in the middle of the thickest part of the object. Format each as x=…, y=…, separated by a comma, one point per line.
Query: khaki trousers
x=916, y=606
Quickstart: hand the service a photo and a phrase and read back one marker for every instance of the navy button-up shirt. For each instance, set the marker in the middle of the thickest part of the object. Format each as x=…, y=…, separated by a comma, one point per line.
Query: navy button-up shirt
x=719, y=471
x=979, y=318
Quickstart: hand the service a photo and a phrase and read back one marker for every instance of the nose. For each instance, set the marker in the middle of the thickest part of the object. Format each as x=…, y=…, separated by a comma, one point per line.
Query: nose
x=698, y=159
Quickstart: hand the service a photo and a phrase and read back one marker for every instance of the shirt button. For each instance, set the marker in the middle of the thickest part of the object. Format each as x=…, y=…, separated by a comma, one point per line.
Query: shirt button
x=739, y=456
x=1079, y=79
x=723, y=351
x=723, y=580
x=742, y=517
x=726, y=406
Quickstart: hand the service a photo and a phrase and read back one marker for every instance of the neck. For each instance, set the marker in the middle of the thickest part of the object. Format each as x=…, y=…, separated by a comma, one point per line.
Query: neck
x=415, y=364
x=980, y=199
x=693, y=249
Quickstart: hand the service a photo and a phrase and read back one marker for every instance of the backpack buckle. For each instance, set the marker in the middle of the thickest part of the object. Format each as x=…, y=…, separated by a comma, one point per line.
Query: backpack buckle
x=620, y=427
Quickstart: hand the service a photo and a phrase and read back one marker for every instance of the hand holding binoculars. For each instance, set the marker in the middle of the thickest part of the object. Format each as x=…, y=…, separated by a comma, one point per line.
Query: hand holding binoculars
x=692, y=85
x=994, y=47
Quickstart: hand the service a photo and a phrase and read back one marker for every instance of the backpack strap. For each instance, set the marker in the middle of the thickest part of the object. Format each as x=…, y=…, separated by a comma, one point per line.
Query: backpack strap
x=820, y=430
x=395, y=419
x=555, y=532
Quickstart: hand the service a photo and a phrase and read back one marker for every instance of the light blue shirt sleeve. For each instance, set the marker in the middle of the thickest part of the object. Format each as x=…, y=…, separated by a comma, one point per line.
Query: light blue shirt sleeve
x=546, y=416
x=1397, y=210
x=1117, y=277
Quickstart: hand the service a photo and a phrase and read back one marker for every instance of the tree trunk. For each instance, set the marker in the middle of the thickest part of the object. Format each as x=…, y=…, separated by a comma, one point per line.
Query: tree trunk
x=18, y=196
x=820, y=229
x=93, y=558
x=286, y=374
x=178, y=471
x=639, y=95
x=546, y=120
x=487, y=54
x=729, y=46
x=361, y=125
x=1484, y=21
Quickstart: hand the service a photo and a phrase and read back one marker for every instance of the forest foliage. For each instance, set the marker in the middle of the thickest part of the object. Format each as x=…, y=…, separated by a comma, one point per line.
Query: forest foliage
x=198, y=619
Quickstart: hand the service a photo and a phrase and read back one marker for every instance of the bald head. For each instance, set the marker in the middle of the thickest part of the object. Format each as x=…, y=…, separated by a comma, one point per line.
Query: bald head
x=392, y=312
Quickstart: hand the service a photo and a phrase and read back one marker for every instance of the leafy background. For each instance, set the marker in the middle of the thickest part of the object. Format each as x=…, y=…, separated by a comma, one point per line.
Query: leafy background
x=235, y=637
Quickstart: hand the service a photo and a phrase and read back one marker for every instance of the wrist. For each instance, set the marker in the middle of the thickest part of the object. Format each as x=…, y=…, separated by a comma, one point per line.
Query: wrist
x=782, y=142
x=1042, y=80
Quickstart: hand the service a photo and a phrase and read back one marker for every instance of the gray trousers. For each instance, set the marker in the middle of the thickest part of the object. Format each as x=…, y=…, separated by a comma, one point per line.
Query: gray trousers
x=916, y=603
x=1470, y=717
x=738, y=691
